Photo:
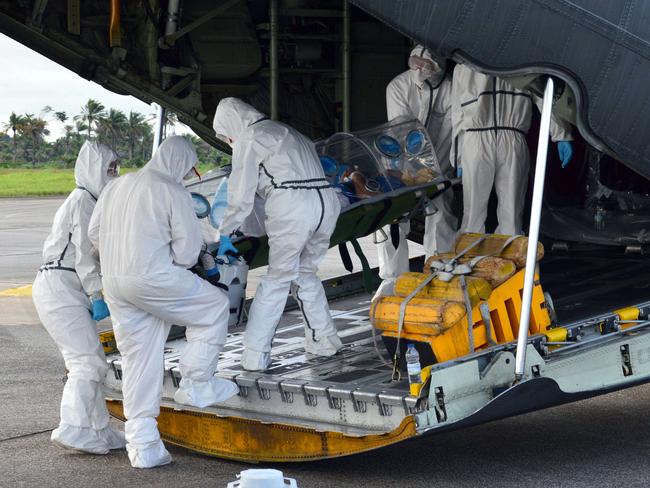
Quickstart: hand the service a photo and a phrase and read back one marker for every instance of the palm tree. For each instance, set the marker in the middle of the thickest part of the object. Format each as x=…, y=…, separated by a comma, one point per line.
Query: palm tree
x=112, y=127
x=79, y=127
x=135, y=130
x=171, y=121
x=69, y=132
x=14, y=124
x=35, y=129
x=147, y=142
x=91, y=114
x=61, y=116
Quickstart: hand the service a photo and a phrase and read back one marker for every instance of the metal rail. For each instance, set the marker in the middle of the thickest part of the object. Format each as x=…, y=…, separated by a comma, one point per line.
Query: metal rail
x=533, y=232
x=599, y=338
x=346, y=66
x=159, y=129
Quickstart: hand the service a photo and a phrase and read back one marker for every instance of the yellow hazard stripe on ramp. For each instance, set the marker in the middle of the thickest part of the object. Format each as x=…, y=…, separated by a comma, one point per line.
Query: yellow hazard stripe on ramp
x=21, y=291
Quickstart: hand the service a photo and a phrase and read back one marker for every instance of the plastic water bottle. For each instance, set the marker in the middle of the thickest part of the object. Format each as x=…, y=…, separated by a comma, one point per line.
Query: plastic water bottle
x=219, y=204
x=413, y=365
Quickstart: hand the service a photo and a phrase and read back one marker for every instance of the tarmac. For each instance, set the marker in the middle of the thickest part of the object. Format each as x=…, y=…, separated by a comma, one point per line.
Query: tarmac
x=603, y=441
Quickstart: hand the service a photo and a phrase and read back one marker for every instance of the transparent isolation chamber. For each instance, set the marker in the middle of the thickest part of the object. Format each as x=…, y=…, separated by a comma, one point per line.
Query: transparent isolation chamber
x=380, y=160
x=360, y=165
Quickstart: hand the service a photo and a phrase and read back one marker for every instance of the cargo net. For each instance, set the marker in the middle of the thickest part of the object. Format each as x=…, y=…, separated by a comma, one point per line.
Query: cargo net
x=463, y=301
x=377, y=161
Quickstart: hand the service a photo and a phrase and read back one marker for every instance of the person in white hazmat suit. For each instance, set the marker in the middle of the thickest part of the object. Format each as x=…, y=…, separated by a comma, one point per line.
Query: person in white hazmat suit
x=490, y=121
x=422, y=92
x=280, y=165
x=67, y=294
x=148, y=235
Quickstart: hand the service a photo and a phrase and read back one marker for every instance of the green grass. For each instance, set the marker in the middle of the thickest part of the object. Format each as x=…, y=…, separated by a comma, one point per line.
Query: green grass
x=46, y=182
x=35, y=182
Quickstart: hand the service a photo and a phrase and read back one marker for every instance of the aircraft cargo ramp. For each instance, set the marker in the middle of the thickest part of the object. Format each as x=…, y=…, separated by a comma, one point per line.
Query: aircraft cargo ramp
x=305, y=408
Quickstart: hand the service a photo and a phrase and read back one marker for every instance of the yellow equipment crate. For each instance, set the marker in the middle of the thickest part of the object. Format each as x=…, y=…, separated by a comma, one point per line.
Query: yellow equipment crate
x=448, y=343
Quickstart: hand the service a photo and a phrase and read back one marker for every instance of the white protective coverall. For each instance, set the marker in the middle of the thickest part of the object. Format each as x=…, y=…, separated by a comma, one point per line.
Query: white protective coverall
x=491, y=119
x=429, y=101
x=148, y=235
x=69, y=276
x=280, y=165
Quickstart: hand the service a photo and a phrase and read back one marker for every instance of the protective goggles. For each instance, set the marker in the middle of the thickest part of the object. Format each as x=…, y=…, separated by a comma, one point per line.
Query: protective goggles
x=416, y=62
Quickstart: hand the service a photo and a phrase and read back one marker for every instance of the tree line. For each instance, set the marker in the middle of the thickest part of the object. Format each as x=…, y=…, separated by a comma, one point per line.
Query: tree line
x=23, y=142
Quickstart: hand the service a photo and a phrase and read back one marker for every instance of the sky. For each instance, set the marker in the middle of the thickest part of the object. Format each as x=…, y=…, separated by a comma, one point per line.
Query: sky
x=29, y=82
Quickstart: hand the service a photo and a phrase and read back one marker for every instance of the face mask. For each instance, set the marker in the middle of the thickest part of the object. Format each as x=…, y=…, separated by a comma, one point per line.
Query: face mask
x=424, y=74
x=426, y=69
x=191, y=174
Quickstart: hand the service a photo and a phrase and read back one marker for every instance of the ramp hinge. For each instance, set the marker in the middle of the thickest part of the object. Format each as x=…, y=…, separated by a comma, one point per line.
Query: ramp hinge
x=439, y=407
x=627, y=362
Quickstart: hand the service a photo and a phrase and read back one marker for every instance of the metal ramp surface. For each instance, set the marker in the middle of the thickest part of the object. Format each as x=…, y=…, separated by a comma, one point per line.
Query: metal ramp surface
x=349, y=396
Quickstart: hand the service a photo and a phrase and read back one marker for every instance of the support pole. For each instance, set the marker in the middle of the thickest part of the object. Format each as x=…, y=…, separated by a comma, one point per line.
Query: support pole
x=171, y=23
x=273, y=58
x=171, y=26
x=533, y=233
x=159, y=129
x=346, y=66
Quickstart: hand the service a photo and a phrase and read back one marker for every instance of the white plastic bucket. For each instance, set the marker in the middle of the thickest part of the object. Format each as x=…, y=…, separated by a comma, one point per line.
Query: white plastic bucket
x=262, y=478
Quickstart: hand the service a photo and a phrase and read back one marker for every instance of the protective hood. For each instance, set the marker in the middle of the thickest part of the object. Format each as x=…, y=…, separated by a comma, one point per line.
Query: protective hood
x=232, y=117
x=175, y=157
x=90, y=170
x=439, y=66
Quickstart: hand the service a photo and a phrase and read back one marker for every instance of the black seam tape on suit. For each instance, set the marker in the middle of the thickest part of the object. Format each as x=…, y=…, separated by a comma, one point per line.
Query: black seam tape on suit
x=296, y=184
x=495, y=128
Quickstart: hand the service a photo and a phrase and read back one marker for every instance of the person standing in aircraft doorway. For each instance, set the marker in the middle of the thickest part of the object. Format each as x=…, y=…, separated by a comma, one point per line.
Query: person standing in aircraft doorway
x=280, y=165
x=422, y=92
x=490, y=121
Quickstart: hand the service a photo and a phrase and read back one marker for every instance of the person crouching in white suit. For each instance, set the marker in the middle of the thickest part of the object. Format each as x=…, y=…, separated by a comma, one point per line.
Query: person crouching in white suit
x=280, y=165
x=67, y=294
x=148, y=235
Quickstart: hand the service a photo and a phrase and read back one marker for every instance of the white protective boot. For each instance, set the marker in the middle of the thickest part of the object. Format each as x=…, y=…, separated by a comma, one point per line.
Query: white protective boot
x=144, y=447
x=325, y=346
x=255, y=361
x=114, y=439
x=80, y=439
x=205, y=393
x=83, y=413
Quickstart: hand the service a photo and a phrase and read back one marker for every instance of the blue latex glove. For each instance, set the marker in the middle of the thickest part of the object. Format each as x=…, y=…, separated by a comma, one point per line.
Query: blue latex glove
x=225, y=247
x=565, y=150
x=459, y=172
x=100, y=309
x=212, y=272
